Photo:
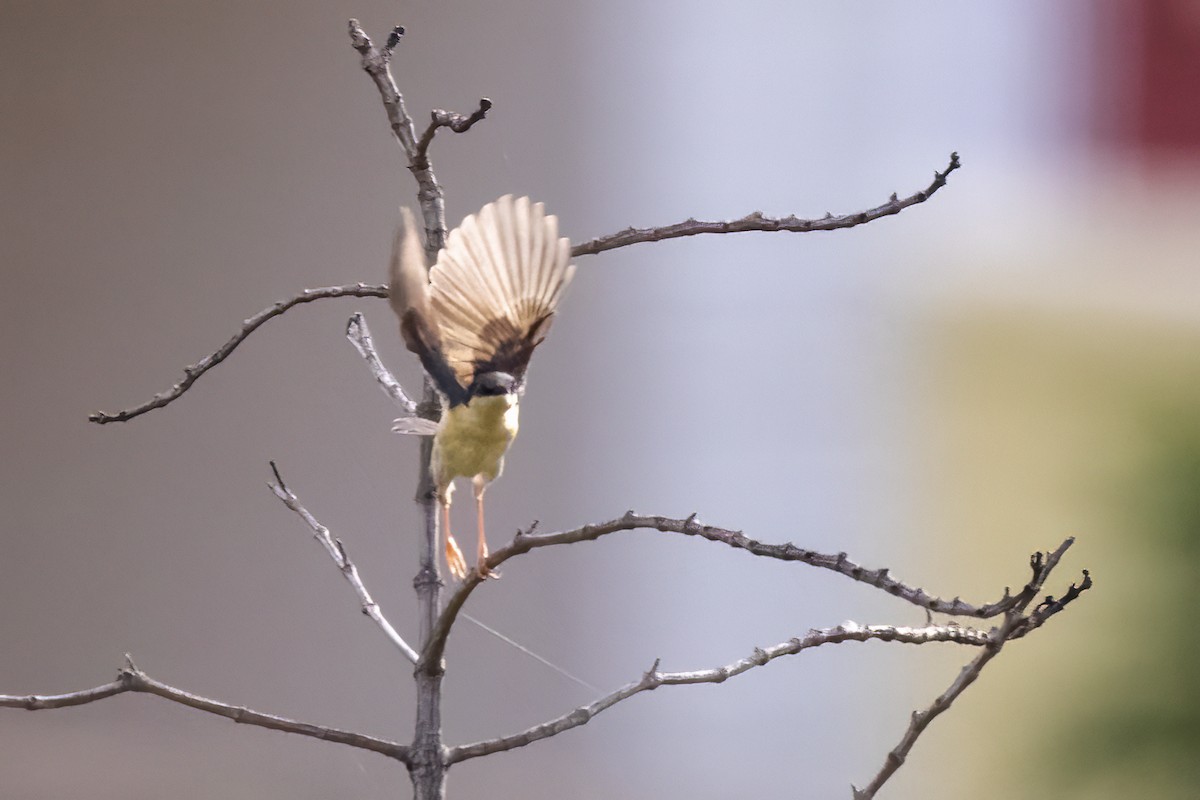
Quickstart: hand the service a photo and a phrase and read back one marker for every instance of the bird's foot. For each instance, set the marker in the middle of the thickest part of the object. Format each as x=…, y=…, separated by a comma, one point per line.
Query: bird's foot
x=454, y=559
x=484, y=571
x=481, y=555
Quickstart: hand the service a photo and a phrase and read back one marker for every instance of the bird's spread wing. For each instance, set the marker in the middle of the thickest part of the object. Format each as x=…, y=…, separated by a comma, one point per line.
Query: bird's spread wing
x=408, y=292
x=495, y=288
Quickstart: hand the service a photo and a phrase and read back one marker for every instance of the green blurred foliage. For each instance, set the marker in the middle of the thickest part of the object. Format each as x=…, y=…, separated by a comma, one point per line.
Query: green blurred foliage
x=1138, y=728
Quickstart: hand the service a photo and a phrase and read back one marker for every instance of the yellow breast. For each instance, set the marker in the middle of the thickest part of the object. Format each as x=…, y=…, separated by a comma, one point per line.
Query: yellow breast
x=471, y=439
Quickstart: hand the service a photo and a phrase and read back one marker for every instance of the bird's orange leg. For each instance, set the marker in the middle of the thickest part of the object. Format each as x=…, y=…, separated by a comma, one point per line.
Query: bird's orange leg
x=481, y=553
x=454, y=556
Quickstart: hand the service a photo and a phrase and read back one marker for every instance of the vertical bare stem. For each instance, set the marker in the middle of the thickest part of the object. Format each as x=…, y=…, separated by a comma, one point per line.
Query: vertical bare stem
x=427, y=768
x=428, y=765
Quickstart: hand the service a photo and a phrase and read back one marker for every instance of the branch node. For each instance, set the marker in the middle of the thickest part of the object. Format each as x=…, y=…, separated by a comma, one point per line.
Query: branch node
x=426, y=577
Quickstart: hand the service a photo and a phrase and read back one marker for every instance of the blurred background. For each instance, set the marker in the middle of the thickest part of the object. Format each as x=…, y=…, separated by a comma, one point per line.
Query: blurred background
x=941, y=392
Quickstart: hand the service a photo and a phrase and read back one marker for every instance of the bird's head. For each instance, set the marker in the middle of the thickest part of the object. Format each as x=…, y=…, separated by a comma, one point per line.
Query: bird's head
x=492, y=384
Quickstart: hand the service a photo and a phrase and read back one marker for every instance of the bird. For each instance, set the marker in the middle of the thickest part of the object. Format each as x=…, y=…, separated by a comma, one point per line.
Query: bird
x=474, y=320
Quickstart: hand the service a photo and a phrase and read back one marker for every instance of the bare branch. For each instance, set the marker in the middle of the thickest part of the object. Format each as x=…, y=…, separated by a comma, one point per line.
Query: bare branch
x=428, y=771
x=38, y=702
x=132, y=679
x=392, y=40
x=653, y=678
x=376, y=63
x=455, y=122
x=337, y=552
x=1015, y=624
x=757, y=221
x=840, y=563
x=921, y=719
x=1051, y=606
x=191, y=373
x=360, y=336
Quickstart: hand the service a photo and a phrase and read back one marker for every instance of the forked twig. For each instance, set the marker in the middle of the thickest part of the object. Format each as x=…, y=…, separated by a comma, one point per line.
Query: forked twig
x=1014, y=622
x=376, y=63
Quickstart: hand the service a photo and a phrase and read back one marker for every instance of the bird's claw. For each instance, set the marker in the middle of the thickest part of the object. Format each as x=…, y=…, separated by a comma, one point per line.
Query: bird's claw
x=454, y=559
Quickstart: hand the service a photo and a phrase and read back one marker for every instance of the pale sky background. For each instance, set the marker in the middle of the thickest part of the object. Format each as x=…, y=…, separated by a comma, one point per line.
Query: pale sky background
x=170, y=168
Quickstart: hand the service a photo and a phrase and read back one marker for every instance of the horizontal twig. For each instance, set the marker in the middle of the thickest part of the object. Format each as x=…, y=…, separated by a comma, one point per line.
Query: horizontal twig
x=132, y=679
x=194, y=371
x=337, y=552
x=757, y=221
x=840, y=563
x=655, y=678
